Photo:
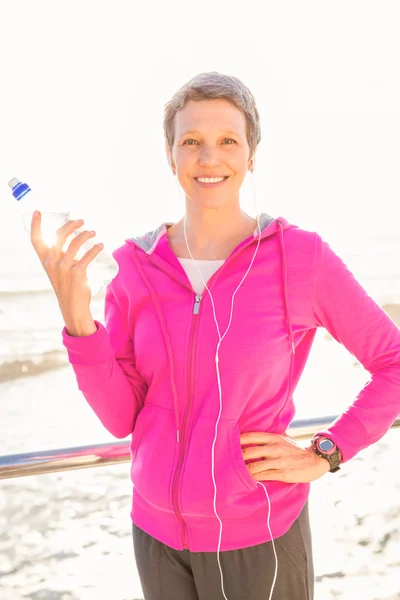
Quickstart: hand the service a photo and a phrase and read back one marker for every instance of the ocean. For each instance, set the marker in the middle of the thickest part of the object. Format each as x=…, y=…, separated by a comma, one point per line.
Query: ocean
x=31, y=323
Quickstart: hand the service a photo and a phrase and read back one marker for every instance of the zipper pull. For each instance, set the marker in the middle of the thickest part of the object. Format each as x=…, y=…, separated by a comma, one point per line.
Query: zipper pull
x=196, y=305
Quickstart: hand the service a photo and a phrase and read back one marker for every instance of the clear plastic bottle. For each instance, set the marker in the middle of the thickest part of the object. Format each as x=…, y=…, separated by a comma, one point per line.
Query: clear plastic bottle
x=100, y=271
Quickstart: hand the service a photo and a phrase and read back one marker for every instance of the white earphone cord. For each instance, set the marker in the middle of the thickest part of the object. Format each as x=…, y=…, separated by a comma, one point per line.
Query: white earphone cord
x=219, y=382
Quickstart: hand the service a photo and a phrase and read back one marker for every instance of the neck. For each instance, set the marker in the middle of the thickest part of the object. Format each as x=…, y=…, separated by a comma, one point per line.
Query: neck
x=212, y=234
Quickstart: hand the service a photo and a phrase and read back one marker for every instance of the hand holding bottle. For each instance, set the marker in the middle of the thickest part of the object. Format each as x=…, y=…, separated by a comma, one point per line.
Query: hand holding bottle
x=54, y=215
x=67, y=274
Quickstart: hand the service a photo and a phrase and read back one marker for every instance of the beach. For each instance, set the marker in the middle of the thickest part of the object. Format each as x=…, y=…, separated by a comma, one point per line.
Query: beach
x=67, y=536
x=78, y=546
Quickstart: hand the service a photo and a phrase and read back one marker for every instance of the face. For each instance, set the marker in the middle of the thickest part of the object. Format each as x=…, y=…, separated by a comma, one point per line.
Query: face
x=210, y=142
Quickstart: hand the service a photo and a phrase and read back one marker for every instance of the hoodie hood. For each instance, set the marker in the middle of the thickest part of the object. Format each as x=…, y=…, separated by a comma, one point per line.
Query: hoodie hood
x=148, y=241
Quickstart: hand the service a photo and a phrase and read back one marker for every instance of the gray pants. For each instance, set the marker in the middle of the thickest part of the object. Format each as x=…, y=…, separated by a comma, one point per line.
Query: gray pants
x=168, y=574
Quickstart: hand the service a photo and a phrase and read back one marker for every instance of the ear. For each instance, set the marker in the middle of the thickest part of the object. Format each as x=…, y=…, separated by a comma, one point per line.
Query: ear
x=169, y=158
x=252, y=163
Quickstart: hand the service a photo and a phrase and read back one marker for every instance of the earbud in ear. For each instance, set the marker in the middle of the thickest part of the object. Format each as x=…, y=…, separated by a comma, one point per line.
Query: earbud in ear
x=170, y=164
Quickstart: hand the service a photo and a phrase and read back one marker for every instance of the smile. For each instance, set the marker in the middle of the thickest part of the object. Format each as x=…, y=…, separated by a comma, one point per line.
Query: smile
x=210, y=180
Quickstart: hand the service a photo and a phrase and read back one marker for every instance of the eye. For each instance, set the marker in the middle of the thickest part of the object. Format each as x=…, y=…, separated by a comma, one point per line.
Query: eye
x=195, y=141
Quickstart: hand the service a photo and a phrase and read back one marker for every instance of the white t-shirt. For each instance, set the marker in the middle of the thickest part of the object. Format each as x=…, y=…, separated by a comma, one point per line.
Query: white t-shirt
x=207, y=268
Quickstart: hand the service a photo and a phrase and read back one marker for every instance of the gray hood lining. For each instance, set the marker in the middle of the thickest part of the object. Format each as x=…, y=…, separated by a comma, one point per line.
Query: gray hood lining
x=149, y=240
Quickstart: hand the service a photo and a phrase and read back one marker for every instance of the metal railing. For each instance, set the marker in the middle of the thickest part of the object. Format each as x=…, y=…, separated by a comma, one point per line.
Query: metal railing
x=83, y=457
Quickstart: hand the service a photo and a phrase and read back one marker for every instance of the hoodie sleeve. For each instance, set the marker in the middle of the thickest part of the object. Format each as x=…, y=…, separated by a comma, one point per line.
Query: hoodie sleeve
x=352, y=317
x=104, y=366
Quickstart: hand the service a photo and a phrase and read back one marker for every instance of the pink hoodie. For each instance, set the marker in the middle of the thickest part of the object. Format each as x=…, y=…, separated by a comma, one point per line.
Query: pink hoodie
x=151, y=372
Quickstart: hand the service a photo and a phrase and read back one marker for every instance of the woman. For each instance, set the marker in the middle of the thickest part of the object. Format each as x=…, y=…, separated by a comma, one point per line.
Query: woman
x=203, y=376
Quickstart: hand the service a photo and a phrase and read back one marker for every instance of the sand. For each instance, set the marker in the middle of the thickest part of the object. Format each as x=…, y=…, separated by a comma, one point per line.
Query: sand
x=393, y=310
x=67, y=536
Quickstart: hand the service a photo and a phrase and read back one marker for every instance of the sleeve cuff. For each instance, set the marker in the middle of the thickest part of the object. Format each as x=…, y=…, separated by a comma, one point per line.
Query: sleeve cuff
x=348, y=434
x=88, y=350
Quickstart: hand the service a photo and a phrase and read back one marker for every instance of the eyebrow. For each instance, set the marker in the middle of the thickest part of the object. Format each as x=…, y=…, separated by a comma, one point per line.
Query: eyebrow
x=195, y=131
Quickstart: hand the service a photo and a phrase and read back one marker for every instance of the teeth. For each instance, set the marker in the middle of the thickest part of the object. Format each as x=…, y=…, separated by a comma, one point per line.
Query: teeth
x=210, y=180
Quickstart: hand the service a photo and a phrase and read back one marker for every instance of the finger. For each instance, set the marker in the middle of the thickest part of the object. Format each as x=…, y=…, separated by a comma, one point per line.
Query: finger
x=255, y=468
x=256, y=452
x=76, y=243
x=36, y=234
x=290, y=440
x=258, y=437
x=89, y=256
x=66, y=230
x=259, y=467
x=270, y=475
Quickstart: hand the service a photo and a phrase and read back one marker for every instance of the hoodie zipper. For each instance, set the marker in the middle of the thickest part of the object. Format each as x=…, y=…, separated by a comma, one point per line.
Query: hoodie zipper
x=182, y=440
x=195, y=321
x=196, y=306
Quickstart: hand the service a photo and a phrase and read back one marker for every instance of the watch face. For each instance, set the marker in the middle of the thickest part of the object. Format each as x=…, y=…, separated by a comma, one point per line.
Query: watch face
x=326, y=445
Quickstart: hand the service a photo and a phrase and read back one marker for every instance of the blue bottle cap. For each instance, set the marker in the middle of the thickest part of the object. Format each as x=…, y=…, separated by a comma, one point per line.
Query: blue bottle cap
x=19, y=190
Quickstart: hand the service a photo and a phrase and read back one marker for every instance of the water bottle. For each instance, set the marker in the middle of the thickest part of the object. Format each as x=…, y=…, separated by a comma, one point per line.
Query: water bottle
x=103, y=267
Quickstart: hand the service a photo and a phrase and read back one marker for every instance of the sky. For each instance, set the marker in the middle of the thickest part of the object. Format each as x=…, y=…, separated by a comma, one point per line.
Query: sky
x=84, y=85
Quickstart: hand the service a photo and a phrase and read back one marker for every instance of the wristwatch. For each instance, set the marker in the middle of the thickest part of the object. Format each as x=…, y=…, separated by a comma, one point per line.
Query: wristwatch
x=327, y=448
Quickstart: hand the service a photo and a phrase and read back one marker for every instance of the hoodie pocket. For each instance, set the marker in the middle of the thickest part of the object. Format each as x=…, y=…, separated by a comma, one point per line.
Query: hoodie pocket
x=241, y=467
x=153, y=452
x=233, y=481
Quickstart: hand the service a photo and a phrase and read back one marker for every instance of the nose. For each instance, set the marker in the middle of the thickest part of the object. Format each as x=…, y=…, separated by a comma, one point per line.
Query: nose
x=209, y=157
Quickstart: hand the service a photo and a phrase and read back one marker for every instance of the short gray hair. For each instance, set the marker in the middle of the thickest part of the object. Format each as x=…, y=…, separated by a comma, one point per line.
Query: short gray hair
x=209, y=86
